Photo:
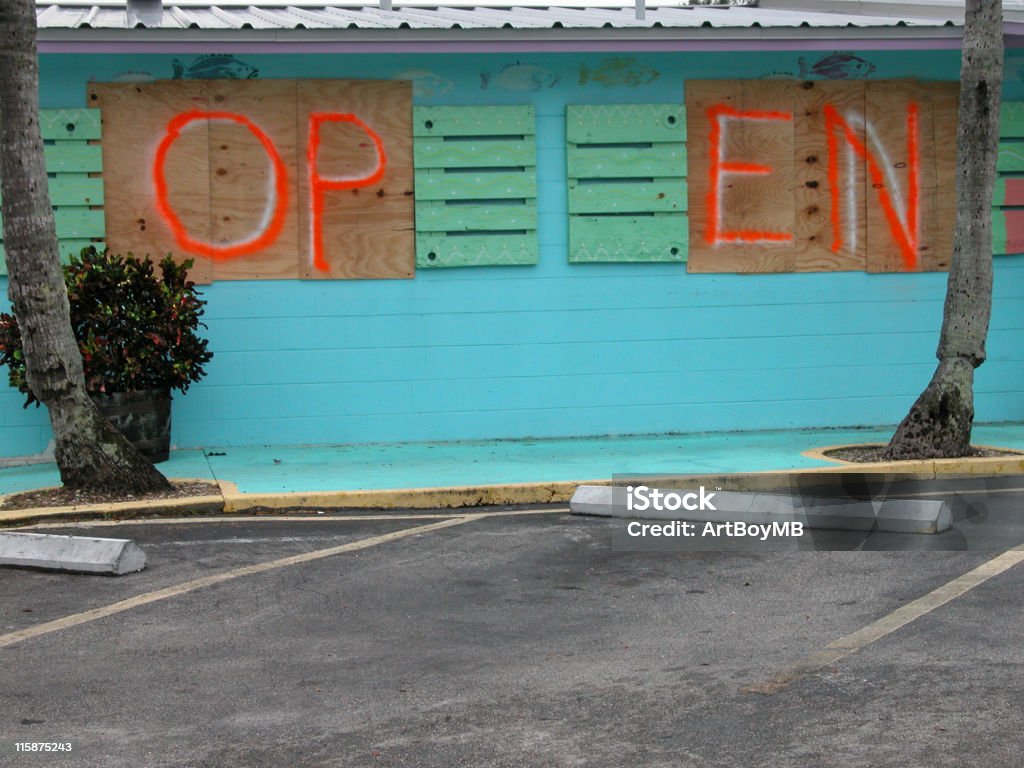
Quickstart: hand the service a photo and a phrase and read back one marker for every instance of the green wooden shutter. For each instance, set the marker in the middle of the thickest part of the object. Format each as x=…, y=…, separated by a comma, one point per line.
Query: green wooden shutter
x=627, y=190
x=476, y=186
x=1008, y=197
x=76, y=196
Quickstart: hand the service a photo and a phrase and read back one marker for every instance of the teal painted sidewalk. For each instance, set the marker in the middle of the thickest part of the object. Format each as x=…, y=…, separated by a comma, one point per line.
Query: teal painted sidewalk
x=429, y=465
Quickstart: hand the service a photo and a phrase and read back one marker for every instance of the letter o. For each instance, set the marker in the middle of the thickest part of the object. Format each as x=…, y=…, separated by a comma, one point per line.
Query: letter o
x=270, y=231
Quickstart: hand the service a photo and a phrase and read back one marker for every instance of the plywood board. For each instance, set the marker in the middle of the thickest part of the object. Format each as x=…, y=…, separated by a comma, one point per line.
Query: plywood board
x=900, y=207
x=702, y=96
x=829, y=196
x=945, y=99
x=741, y=207
x=362, y=226
x=253, y=190
x=137, y=123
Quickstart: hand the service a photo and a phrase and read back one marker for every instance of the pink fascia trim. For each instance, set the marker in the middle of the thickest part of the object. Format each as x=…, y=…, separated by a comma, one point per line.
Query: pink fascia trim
x=552, y=46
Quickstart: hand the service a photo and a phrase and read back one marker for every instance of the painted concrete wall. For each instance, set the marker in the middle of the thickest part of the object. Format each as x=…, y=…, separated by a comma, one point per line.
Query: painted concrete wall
x=554, y=349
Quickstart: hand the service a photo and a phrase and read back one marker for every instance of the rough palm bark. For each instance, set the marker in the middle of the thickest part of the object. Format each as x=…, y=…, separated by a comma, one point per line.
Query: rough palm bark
x=89, y=452
x=939, y=423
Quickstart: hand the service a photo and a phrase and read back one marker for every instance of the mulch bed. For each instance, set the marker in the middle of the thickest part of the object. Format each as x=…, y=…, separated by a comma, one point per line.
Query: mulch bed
x=62, y=497
x=868, y=454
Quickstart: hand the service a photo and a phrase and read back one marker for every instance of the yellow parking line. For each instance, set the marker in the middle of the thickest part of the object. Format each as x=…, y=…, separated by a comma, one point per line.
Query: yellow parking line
x=305, y=518
x=218, y=578
x=886, y=625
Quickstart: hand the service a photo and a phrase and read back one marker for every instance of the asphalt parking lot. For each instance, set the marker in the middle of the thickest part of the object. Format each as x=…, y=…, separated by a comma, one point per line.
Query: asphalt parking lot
x=506, y=640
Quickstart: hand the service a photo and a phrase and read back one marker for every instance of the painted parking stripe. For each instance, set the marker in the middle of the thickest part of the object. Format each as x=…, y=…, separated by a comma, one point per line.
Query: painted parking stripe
x=218, y=578
x=305, y=518
x=886, y=625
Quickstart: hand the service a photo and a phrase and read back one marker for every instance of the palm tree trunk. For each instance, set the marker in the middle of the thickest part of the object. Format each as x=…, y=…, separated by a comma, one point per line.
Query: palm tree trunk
x=939, y=423
x=90, y=453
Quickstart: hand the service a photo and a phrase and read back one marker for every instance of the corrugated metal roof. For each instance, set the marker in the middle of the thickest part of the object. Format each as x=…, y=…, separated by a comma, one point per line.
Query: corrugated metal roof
x=326, y=16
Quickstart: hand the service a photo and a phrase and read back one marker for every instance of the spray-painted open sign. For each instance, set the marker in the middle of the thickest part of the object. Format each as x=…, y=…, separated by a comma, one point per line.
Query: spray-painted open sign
x=271, y=179
x=813, y=176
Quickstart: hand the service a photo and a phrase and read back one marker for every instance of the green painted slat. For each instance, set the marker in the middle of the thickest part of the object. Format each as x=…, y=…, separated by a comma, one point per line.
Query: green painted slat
x=628, y=239
x=438, y=153
x=66, y=249
x=74, y=246
x=79, y=223
x=1011, y=119
x=473, y=121
x=438, y=217
x=1011, y=156
x=78, y=124
x=661, y=196
x=73, y=158
x=625, y=123
x=435, y=184
x=627, y=162
x=75, y=189
x=1008, y=232
x=437, y=250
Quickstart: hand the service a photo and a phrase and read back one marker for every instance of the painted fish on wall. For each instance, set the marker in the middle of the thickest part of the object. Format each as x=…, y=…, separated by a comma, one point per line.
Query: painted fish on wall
x=840, y=65
x=426, y=83
x=519, y=77
x=215, y=67
x=617, y=72
x=132, y=76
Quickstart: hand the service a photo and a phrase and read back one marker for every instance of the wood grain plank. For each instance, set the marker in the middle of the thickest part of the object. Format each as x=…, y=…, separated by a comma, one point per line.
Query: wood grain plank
x=660, y=195
x=820, y=245
x=441, y=217
x=1011, y=119
x=1011, y=156
x=946, y=114
x=625, y=123
x=1008, y=232
x=367, y=231
x=245, y=192
x=628, y=239
x=626, y=162
x=435, y=249
x=701, y=96
x=516, y=120
x=435, y=152
x=747, y=221
x=1009, y=191
x=71, y=123
x=73, y=157
x=436, y=184
x=135, y=121
x=896, y=240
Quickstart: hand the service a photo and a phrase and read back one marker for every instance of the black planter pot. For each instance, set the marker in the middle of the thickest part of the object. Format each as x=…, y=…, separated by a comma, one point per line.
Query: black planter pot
x=143, y=417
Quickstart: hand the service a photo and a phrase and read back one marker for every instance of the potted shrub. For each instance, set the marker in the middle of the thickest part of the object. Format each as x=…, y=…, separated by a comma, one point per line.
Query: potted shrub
x=137, y=332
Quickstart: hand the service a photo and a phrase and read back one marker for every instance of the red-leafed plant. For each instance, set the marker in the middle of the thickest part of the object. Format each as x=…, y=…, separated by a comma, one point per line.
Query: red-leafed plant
x=136, y=329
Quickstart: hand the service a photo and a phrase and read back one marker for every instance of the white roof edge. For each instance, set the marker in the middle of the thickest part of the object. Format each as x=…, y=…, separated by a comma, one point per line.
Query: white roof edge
x=638, y=35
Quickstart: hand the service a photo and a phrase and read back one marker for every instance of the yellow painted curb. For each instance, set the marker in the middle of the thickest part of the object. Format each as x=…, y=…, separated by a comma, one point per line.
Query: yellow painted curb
x=409, y=498
x=197, y=504
x=936, y=468
x=231, y=501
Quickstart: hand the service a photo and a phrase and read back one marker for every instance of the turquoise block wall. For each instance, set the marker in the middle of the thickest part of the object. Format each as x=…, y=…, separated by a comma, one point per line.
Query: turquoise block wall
x=554, y=349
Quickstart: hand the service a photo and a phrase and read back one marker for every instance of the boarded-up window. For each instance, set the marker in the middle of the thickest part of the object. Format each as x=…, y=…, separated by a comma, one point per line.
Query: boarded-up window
x=262, y=179
x=627, y=191
x=73, y=164
x=476, y=186
x=815, y=176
